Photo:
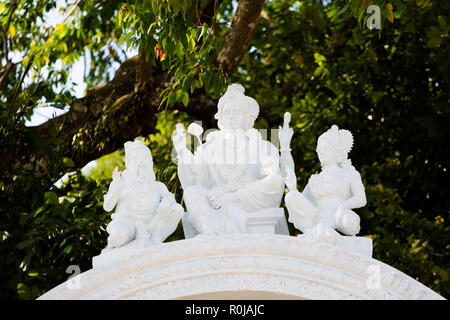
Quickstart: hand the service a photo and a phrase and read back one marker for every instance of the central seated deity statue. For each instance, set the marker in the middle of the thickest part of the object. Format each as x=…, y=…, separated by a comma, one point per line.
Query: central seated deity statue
x=234, y=175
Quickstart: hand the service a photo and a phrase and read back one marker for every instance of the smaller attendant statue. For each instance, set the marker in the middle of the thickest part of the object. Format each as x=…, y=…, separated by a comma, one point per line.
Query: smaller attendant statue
x=326, y=203
x=145, y=209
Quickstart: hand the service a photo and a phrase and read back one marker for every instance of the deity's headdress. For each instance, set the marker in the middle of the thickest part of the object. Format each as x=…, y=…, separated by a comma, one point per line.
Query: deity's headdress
x=131, y=148
x=133, y=151
x=235, y=92
x=341, y=139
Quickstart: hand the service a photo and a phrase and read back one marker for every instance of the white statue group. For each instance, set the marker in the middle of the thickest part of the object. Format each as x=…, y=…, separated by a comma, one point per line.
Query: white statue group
x=233, y=177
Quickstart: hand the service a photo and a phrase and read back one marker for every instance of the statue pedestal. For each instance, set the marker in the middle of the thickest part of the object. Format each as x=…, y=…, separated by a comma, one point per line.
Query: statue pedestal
x=268, y=221
x=110, y=256
x=360, y=245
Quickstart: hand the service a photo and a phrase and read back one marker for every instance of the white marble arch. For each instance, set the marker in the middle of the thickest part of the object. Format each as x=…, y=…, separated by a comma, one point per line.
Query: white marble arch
x=243, y=266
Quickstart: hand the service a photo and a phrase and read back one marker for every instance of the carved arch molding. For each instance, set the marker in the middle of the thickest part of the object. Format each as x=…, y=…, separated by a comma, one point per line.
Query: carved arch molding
x=245, y=266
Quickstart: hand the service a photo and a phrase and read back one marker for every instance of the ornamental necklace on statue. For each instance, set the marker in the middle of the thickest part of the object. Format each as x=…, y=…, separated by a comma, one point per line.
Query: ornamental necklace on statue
x=231, y=173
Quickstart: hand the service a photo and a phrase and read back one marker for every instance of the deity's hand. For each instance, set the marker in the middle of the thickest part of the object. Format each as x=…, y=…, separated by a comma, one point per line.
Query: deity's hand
x=269, y=166
x=179, y=140
x=116, y=175
x=285, y=133
x=114, y=191
x=218, y=199
x=339, y=214
x=117, y=181
x=291, y=181
x=164, y=209
x=166, y=205
x=214, y=201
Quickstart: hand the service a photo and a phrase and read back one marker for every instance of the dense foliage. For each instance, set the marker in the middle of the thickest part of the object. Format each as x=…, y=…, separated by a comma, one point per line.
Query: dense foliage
x=316, y=59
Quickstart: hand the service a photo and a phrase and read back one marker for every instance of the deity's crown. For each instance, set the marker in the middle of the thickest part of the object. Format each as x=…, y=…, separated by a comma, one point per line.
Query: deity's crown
x=237, y=88
x=236, y=91
x=341, y=139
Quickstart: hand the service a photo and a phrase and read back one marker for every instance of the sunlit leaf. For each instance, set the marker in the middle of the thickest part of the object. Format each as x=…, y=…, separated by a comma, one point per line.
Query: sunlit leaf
x=390, y=12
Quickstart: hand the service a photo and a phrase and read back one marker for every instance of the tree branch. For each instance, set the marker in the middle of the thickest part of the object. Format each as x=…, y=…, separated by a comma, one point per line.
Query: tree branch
x=9, y=65
x=238, y=38
x=6, y=28
x=13, y=8
x=125, y=107
x=102, y=121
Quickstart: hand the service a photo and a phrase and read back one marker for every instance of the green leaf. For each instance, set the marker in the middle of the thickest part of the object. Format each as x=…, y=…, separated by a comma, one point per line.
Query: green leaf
x=67, y=249
x=26, y=243
x=172, y=99
x=185, y=99
x=319, y=58
x=23, y=291
x=434, y=42
x=187, y=82
x=442, y=25
x=51, y=197
x=68, y=162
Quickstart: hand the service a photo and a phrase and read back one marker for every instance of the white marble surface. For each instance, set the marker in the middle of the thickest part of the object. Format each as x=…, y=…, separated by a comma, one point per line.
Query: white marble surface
x=268, y=221
x=249, y=265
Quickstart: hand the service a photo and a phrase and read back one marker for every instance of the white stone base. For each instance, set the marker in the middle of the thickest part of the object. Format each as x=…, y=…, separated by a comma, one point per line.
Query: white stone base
x=271, y=221
x=361, y=245
x=268, y=221
x=110, y=256
x=244, y=266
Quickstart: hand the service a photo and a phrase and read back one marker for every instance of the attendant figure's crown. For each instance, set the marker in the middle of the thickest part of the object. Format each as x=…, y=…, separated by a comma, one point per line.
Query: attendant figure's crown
x=132, y=146
x=341, y=139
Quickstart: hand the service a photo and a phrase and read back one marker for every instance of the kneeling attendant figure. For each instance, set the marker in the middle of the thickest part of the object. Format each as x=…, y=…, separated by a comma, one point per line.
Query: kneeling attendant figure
x=145, y=209
x=326, y=203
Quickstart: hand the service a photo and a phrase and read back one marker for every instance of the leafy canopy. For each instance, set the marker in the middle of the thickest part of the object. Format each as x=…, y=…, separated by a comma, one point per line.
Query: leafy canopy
x=315, y=59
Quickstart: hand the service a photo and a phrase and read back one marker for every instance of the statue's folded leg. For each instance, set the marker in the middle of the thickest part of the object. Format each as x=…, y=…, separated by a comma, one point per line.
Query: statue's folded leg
x=227, y=219
x=302, y=213
x=349, y=223
x=199, y=209
x=140, y=224
x=121, y=230
x=262, y=194
x=165, y=223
